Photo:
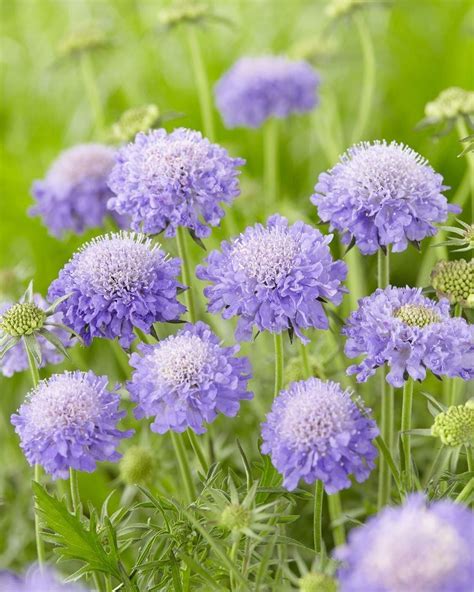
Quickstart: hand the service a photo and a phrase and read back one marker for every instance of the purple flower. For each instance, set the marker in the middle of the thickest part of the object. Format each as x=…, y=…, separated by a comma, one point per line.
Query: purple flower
x=382, y=194
x=36, y=580
x=168, y=180
x=316, y=431
x=274, y=277
x=413, y=548
x=70, y=421
x=73, y=196
x=409, y=332
x=117, y=282
x=187, y=379
x=16, y=360
x=255, y=89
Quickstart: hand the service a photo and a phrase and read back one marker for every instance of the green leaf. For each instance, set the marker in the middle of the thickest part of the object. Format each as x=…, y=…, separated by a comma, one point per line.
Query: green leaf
x=52, y=307
x=33, y=347
x=55, y=341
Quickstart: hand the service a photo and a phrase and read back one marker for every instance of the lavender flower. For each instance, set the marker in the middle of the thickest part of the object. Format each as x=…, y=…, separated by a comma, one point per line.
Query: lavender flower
x=70, y=421
x=73, y=196
x=188, y=379
x=117, y=282
x=382, y=194
x=274, y=277
x=36, y=580
x=315, y=431
x=255, y=89
x=413, y=548
x=409, y=332
x=168, y=180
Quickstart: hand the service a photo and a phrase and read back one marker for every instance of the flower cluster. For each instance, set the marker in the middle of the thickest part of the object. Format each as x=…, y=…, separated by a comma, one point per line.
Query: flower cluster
x=455, y=426
x=36, y=580
x=411, y=548
x=450, y=103
x=411, y=333
x=187, y=379
x=73, y=195
x=315, y=430
x=255, y=89
x=117, y=282
x=454, y=280
x=274, y=277
x=70, y=421
x=382, y=194
x=168, y=180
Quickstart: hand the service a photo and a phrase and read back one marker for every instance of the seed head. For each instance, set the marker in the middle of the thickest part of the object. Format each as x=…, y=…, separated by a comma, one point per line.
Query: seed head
x=22, y=319
x=454, y=280
x=455, y=426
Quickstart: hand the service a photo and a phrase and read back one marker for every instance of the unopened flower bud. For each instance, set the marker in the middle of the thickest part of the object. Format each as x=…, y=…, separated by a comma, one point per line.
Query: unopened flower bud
x=136, y=465
x=22, y=319
x=454, y=280
x=455, y=426
x=317, y=582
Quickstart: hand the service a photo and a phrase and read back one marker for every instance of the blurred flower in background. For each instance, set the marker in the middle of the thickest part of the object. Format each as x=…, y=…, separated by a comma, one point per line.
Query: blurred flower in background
x=36, y=579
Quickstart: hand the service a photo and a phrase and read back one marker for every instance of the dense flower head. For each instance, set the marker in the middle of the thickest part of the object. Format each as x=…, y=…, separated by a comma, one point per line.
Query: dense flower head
x=455, y=426
x=36, y=580
x=117, y=282
x=257, y=88
x=450, y=103
x=316, y=431
x=274, y=277
x=413, y=548
x=73, y=195
x=187, y=379
x=381, y=194
x=70, y=421
x=454, y=280
x=24, y=319
x=411, y=333
x=165, y=180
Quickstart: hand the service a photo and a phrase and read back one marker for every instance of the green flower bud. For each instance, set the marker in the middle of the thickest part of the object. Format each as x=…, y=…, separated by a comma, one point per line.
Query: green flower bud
x=416, y=315
x=454, y=280
x=314, y=50
x=136, y=465
x=317, y=582
x=235, y=517
x=184, y=13
x=456, y=425
x=294, y=370
x=22, y=319
x=82, y=40
x=132, y=121
x=450, y=103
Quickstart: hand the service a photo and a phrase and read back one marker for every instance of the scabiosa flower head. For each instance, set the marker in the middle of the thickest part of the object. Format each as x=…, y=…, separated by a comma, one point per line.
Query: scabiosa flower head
x=413, y=548
x=70, y=421
x=258, y=88
x=382, y=194
x=117, y=282
x=454, y=280
x=36, y=580
x=168, y=180
x=455, y=426
x=409, y=332
x=73, y=195
x=274, y=277
x=316, y=431
x=187, y=379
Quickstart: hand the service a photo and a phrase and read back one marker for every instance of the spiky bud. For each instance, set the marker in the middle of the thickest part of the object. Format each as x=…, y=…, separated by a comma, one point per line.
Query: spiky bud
x=132, y=121
x=454, y=280
x=235, y=517
x=449, y=104
x=22, y=319
x=136, y=465
x=317, y=582
x=455, y=426
x=416, y=315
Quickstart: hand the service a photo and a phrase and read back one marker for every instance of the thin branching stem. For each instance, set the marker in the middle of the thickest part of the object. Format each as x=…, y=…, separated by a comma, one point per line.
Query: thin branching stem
x=405, y=428
x=202, y=83
x=270, y=162
x=278, y=342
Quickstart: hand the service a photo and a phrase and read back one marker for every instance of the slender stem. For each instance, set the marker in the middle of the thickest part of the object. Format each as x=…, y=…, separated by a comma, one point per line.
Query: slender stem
x=233, y=557
x=108, y=583
x=270, y=161
x=198, y=451
x=186, y=273
x=335, y=513
x=184, y=467
x=318, y=516
x=470, y=459
x=465, y=494
x=356, y=282
x=452, y=383
x=75, y=496
x=462, y=131
x=305, y=360
x=368, y=82
x=405, y=427
x=278, y=341
x=92, y=92
x=383, y=449
x=202, y=83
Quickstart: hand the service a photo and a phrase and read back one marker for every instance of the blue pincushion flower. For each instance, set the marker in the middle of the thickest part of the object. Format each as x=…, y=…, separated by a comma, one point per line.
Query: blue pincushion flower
x=117, y=282
x=187, y=379
x=274, y=277
x=413, y=548
x=411, y=333
x=257, y=88
x=382, y=194
x=163, y=181
x=70, y=421
x=73, y=196
x=36, y=580
x=316, y=431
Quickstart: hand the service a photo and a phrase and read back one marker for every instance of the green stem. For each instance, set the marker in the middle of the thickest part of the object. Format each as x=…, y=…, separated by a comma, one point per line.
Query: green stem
x=385, y=452
x=186, y=273
x=305, y=360
x=233, y=558
x=121, y=357
x=318, y=517
x=368, y=82
x=92, y=92
x=270, y=161
x=75, y=496
x=462, y=131
x=198, y=451
x=470, y=459
x=465, y=494
x=355, y=277
x=335, y=513
x=202, y=83
x=108, y=583
x=184, y=467
x=278, y=341
x=405, y=427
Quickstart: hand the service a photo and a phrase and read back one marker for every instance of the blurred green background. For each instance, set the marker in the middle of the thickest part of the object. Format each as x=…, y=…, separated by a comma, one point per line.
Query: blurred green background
x=421, y=48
